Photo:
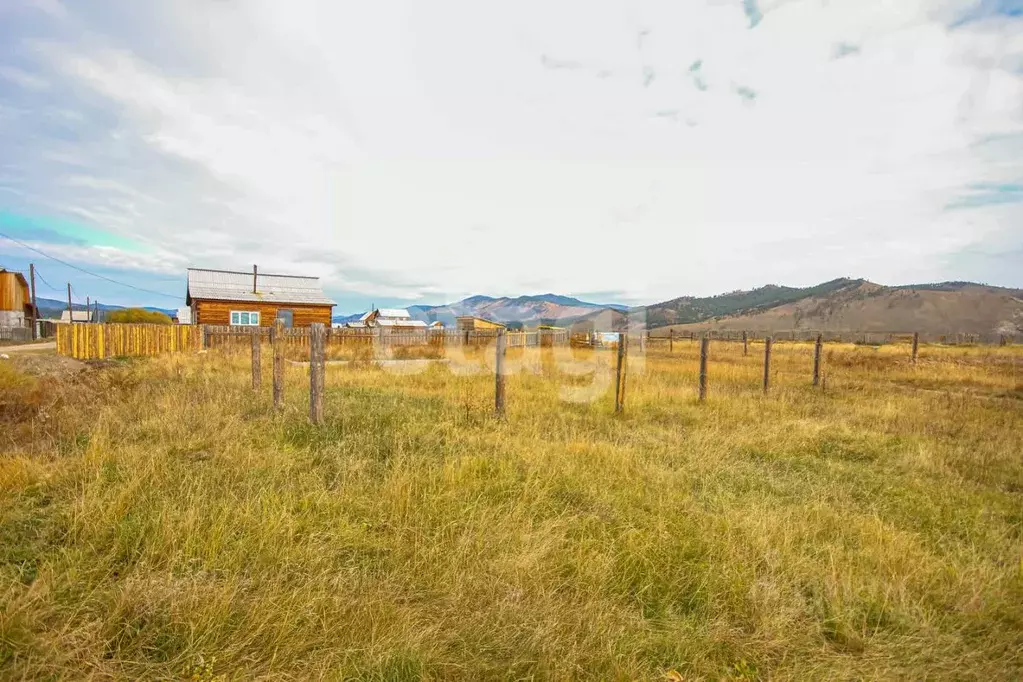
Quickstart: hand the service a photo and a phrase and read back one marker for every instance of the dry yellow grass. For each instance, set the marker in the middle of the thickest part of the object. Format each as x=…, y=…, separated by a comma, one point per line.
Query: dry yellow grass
x=158, y=520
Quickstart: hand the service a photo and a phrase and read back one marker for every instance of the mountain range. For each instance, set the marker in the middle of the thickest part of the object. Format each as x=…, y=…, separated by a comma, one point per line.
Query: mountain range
x=852, y=305
x=838, y=305
x=51, y=308
x=842, y=304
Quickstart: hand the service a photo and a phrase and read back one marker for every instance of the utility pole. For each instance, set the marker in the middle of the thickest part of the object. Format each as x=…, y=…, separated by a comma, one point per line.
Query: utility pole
x=35, y=310
x=88, y=309
x=70, y=315
x=254, y=271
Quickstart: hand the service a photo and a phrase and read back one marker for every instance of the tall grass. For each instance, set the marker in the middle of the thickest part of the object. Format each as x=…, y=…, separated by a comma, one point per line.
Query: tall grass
x=159, y=520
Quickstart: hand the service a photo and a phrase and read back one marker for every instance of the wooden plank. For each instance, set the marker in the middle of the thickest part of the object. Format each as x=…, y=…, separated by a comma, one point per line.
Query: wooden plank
x=316, y=373
x=277, y=342
x=817, y=346
x=704, y=347
x=767, y=363
x=619, y=374
x=257, y=374
x=499, y=373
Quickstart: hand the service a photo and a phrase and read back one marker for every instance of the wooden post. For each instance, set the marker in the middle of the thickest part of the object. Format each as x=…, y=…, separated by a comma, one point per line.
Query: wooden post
x=817, y=360
x=70, y=314
x=704, y=344
x=620, y=374
x=671, y=340
x=316, y=373
x=35, y=310
x=745, y=344
x=257, y=373
x=205, y=336
x=277, y=343
x=499, y=374
x=767, y=362
x=916, y=345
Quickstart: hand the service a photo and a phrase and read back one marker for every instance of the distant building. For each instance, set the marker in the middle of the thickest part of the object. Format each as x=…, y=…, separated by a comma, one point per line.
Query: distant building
x=436, y=324
x=400, y=324
x=15, y=300
x=252, y=299
x=392, y=318
x=603, y=320
x=467, y=323
x=76, y=316
x=183, y=316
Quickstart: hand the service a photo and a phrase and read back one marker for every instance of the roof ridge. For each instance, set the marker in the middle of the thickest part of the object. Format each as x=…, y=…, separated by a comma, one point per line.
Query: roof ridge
x=258, y=274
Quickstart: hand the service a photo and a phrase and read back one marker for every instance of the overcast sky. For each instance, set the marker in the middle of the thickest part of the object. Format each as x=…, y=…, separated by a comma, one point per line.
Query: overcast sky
x=418, y=152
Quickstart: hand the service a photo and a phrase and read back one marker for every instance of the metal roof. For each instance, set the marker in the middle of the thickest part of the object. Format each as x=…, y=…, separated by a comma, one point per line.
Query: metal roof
x=78, y=316
x=393, y=313
x=226, y=285
x=400, y=323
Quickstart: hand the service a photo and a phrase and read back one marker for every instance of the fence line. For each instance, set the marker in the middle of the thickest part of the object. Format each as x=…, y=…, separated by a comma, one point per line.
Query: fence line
x=85, y=341
x=847, y=336
x=91, y=341
x=224, y=336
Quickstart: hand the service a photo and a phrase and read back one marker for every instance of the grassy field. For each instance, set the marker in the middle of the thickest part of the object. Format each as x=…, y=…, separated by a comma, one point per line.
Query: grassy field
x=159, y=520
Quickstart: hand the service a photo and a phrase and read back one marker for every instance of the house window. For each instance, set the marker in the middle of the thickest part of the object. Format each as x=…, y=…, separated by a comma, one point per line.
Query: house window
x=244, y=318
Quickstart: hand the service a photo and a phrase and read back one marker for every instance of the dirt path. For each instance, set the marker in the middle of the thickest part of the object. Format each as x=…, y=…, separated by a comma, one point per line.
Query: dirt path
x=50, y=345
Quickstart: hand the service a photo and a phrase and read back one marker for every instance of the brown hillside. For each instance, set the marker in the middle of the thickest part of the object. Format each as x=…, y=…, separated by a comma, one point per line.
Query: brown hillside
x=938, y=309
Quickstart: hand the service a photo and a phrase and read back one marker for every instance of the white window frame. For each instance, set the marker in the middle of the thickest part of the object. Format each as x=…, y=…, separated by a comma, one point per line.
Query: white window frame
x=252, y=318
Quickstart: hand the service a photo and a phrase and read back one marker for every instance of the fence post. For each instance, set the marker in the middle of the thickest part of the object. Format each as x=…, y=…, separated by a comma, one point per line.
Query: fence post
x=745, y=344
x=205, y=337
x=916, y=345
x=704, y=344
x=257, y=373
x=671, y=340
x=277, y=345
x=620, y=374
x=817, y=360
x=499, y=374
x=767, y=362
x=316, y=373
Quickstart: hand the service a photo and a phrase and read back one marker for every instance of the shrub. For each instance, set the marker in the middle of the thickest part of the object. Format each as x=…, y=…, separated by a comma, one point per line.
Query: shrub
x=138, y=316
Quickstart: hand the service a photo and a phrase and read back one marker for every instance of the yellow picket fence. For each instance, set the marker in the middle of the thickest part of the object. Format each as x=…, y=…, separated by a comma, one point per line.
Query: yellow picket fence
x=96, y=341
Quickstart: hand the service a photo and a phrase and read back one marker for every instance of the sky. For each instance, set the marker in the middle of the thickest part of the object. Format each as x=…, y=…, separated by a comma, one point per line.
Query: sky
x=409, y=152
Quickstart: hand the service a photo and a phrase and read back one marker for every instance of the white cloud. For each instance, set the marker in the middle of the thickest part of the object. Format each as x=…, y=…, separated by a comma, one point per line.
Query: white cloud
x=438, y=149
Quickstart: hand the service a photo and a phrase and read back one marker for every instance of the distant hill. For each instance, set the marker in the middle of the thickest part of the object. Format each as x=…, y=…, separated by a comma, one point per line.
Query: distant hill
x=536, y=309
x=689, y=309
x=51, y=308
x=854, y=305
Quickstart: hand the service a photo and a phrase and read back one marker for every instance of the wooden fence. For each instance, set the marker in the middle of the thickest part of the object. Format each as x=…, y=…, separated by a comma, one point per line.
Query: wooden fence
x=15, y=334
x=872, y=338
x=84, y=341
x=227, y=337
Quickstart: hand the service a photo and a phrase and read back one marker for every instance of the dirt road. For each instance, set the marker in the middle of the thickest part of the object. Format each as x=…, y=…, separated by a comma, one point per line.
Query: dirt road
x=50, y=345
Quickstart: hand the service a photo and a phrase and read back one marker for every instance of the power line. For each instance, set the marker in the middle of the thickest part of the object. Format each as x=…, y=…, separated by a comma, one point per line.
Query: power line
x=91, y=274
x=48, y=285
